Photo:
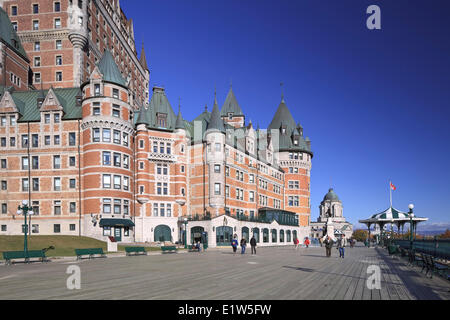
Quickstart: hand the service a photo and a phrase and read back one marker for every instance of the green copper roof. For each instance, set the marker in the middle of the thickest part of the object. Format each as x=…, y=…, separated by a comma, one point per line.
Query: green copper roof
x=109, y=69
x=216, y=122
x=282, y=117
x=179, y=124
x=231, y=105
x=26, y=103
x=144, y=116
x=160, y=105
x=9, y=35
x=331, y=196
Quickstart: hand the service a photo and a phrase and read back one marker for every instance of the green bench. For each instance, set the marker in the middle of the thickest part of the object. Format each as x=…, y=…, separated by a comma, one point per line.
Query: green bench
x=392, y=249
x=166, y=249
x=89, y=252
x=9, y=256
x=135, y=250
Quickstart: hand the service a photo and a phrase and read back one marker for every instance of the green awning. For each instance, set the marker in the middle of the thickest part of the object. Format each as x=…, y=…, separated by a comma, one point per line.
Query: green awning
x=116, y=223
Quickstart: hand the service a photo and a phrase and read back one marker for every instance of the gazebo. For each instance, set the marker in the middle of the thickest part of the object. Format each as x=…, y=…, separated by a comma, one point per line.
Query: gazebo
x=394, y=217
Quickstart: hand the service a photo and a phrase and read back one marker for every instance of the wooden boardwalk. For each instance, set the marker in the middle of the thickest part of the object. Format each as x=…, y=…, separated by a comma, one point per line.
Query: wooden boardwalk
x=275, y=273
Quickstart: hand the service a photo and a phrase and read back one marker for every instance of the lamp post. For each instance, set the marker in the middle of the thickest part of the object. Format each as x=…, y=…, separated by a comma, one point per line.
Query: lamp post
x=25, y=210
x=411, y=216
x=185, y=221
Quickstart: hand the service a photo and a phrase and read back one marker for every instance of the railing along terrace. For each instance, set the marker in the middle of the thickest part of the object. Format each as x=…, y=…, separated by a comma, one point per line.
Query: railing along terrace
x=439, y=248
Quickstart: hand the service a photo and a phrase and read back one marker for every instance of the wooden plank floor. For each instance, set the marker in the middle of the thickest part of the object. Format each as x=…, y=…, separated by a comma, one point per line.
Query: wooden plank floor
x=275, y=273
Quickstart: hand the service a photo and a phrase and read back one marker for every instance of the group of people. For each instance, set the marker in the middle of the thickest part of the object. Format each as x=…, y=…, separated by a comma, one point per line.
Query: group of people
x=234, y=244
x=341, y=243
x=297, y=242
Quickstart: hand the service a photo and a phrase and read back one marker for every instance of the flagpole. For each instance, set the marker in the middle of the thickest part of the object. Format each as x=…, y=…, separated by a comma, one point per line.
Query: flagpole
x=390, y=192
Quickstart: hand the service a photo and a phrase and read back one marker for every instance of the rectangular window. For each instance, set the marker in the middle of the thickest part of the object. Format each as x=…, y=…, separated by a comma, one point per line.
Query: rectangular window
x=47, y=140
x=217, y=168
x=161, y=147
x=107, y=206
x=72, y=183
x=56, y=140
x=4, y=185
x=56, y=228
x=116, y=111
x=155, y=209
x=58, y=76
x=168, y=148
x=161, y=210
x=4, y=208
x=58, y=61
x=35, y=8
x=56, y=162
x=24, y=163
x=117, y=206
x=106, y=135
x=125, y=161
x=97, y=89
x=37, y=77
x=24, y=141
x=3, y=163
x=36, y=27
x=34, y=140
x=96, y=135
x=35, y=183
x=14, y=11
x=218, y=147
x=72, y=139
x=57, y=207
x=73, y=207
x=12, y=120
x=37, y=61
x=57, y=184
x=116, y=159
x=155, y=146
x=37, y=46
x=217, y=188
x=12, y=141
x=107, y=181
x=56, y=118
x=72, y=161
x=47, y=118
x=158, y=188
x=57, y=7
x=117, y=182
x=116, y=93
x=35, y=162
x=72, y=227
x=126, y=183
x=106, y=158
x=96, y=111
x=116, y=136
x=58, y=23
x=3, y=142
x=125, y=139
x=25, y=184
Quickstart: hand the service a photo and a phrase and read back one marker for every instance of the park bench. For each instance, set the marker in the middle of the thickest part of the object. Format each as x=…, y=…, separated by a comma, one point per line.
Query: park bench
x=166, y=249
x=134, y=251
x=89, y=252
x=431, y=265
x=393, y=249
x=9, y=256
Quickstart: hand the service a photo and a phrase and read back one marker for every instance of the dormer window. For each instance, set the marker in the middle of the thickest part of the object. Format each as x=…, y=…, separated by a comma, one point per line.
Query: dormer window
x=40, y=101
x=78, y=101
x=97, y=89
x=161, y=120
x=295, y=142
x=230, y=115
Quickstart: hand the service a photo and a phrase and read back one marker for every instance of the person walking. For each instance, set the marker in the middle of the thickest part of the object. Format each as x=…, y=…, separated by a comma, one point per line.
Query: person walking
x=296, y=243
x=253, y=244
x=243, y=245
x=341, y=243
x=234, y=244
x=328, y=242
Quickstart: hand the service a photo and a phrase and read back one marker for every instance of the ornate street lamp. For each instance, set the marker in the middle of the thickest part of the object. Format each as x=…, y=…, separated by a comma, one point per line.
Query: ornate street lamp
x=411, y=227
x=25, y=210
x=185, y=222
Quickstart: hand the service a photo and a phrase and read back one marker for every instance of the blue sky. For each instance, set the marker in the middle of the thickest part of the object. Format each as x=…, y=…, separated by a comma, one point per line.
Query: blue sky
x=375, y=103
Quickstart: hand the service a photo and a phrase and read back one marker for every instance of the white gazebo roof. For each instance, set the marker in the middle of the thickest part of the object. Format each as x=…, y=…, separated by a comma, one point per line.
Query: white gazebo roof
x=392, y=215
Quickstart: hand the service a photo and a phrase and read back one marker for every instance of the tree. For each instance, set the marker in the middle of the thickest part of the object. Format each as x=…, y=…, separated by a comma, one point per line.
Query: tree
x=360, y=235
x=445, y=235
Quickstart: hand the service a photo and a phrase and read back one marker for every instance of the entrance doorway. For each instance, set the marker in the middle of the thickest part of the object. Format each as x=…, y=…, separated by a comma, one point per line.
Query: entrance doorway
x=118, y=233
x=162, y=233
x=196, y=234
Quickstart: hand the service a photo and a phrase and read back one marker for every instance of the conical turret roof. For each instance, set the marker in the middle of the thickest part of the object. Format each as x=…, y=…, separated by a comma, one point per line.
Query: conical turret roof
x=215, y=121
x=109, y=69
x=143, y=60
x=231, y=105
x=179, y=124
x=283, y=116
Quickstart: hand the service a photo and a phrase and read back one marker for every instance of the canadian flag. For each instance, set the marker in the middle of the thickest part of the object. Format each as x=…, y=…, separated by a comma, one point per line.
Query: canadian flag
x=392, y=186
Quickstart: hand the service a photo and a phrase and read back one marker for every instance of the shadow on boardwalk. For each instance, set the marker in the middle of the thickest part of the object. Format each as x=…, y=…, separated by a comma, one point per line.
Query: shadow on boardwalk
x=418, y=285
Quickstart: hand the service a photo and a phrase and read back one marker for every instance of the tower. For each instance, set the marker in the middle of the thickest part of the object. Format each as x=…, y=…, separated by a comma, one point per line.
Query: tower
x=107, y=148
x=293, y=153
